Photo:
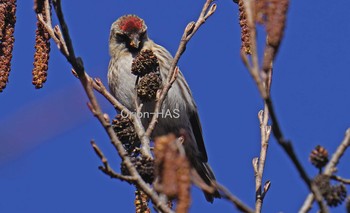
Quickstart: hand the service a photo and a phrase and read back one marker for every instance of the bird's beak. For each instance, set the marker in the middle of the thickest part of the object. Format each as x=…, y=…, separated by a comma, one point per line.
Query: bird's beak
x=135, y=42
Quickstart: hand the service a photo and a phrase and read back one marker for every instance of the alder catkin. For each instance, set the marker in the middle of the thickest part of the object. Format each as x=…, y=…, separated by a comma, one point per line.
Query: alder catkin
x=245, y=30
x=260, y=11
x=7, y=24
x=276, y=11
x=2, y=18
x=42, y=48
x=173, y=172
x=276, y=21
x=141, y=202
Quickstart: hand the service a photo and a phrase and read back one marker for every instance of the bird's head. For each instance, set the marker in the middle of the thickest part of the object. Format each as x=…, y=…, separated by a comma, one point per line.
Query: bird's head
x=129, y=30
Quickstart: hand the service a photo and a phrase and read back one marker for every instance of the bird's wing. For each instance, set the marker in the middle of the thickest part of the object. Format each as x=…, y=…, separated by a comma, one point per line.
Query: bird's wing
x=197, y=131
x=163, y=57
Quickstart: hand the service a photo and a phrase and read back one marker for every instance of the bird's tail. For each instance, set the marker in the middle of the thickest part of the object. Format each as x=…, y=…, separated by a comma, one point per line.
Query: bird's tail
x=207, y=175
x=201, y=167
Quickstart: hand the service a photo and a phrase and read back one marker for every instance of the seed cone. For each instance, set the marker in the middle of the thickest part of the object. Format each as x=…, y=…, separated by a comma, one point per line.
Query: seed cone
x=336, y=195
x=148, y=86
x=125, y=131
x=144, y=166
x=323, y=183
x=145, y=62
x=333, y=194
x=319, y=157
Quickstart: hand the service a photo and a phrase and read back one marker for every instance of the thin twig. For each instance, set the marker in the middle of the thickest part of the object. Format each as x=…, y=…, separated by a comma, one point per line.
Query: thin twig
x=265, y=131
x=106, y=168
x=329, y=170
x=190, y=30
x=229, y=196
x=332, y=164
x=340, y=179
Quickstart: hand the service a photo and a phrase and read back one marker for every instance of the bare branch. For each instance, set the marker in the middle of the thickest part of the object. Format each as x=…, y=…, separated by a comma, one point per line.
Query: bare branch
x=229, y=196
x=106, y=167
x=340, y=179
x=265, y=132
x=330, y=167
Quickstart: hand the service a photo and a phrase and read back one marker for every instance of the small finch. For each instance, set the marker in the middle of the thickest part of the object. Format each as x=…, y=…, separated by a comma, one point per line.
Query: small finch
x=128, y=37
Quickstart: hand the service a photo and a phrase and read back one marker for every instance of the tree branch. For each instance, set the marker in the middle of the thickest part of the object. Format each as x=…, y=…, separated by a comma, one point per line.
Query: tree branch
x=229, y=196
x=340, y=179
x=106, y=167
x=265, y=131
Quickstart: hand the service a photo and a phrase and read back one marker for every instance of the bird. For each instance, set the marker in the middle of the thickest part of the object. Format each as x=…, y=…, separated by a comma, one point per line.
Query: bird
x=128, y=37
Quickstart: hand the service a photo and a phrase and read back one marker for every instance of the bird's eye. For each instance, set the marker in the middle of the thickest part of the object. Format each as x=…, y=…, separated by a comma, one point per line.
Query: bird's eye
x=121, y=37
x=142, y=35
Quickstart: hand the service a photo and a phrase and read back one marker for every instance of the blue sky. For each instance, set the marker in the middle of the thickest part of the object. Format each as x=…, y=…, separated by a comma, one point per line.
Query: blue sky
x=47, y=164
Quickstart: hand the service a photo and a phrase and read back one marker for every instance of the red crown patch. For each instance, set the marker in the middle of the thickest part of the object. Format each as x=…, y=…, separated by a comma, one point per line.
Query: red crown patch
x=131, y=24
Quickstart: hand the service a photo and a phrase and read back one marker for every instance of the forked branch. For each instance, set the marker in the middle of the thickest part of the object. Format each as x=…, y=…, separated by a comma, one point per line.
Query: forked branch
x=190, y=30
